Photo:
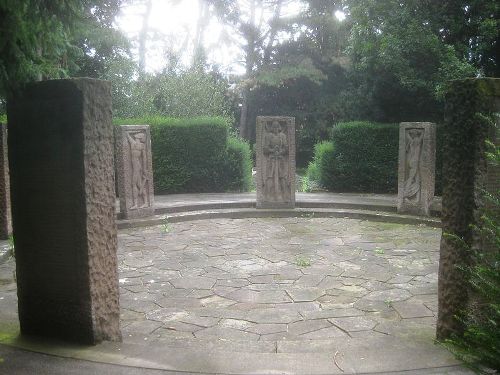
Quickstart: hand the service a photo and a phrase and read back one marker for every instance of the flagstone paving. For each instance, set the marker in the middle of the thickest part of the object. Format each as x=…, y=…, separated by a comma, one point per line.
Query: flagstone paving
x=261, y=280
x=276, y=295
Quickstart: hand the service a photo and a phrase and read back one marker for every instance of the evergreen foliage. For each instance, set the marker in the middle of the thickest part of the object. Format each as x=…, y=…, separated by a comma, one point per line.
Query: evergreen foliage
x=321, y=168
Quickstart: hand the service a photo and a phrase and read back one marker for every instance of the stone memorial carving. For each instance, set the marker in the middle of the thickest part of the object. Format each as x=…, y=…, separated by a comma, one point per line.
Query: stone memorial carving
x=5, y=217
x=416, y=175
x=63, y=210
x=134, y=171
x=275, y=162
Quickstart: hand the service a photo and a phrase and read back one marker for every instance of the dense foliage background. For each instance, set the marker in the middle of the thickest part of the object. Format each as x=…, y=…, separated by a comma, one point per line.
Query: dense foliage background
x=386, y=61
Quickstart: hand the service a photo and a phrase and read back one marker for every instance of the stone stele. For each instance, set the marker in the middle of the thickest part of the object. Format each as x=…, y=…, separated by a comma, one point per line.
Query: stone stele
x=134, y=171
x=5, y=217
x=275, y=151
x=63, y=210
x=416, y=171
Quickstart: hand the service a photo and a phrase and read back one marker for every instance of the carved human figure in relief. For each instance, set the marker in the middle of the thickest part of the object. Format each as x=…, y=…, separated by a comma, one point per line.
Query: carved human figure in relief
x=414, y=140
x=138, y=159
x=275, y=150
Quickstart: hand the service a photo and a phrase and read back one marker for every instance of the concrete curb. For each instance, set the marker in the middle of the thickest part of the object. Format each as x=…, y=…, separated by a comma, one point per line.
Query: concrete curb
x=246, y=213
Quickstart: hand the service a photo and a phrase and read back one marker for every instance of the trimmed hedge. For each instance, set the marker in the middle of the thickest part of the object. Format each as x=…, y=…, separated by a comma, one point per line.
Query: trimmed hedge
x=363, y=157
x=366, y=157
x=195, y=155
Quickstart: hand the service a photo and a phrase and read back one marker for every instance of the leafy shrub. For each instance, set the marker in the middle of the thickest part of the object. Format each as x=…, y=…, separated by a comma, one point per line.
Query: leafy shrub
x=320, y=169
x=194, y=155
x=238, y=168
x=3, y=118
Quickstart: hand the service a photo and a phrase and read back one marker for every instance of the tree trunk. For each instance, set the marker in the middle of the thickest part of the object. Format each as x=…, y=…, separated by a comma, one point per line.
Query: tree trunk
x=143, y=36
x=244, y=133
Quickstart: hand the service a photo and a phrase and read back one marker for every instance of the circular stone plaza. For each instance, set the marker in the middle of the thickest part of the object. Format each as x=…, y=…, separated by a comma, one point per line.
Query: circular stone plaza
x=340, y=285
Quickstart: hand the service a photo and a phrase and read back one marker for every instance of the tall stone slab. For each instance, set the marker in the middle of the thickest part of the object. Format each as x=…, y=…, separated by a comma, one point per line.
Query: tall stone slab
x=134, y=171
x=417, y=167
x=5, y=216
x=275, y=152
x=62, y=180
x=471, y=111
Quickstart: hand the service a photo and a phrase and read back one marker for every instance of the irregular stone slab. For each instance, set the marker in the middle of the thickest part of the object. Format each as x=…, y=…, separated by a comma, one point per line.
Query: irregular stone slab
x=272, y=315
x=242, y=325
x=305, y=326
x=134, y=168
x=224, y=333
x=5, y=211
x=266, y=329
x=354, y=323
x=305, y=294
x=275, y=151
x=390, y=295
x=63, y=210
x=411, y=310
x=325, y=333
x=333, y=313
x=417, y=170
x=194, y=282
x=266, y=296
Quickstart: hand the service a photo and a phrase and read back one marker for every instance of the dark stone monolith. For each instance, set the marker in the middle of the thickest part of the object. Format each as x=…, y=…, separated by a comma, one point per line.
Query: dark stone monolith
x=5, y=216
x=62, y=180
x=471, y=111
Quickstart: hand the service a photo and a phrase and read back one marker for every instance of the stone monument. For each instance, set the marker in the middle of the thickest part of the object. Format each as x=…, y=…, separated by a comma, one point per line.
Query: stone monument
x=63, y=210
x=472, y=116
x=5, y=217
x=275, y=151
x=416, y=171
x=134, y=170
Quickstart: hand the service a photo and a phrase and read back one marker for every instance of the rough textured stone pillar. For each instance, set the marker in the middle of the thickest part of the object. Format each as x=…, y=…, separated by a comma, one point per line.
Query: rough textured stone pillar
x=417, y=167
x=62, y=180
x=134, y=170
x=5, y=217
x=471, y=108
x=275, y=152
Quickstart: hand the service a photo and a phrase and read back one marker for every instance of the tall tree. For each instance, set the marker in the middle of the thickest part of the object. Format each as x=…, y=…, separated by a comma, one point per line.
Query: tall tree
x=399, y=62
x=256, y=24
x=143, y=36
x=38, y=37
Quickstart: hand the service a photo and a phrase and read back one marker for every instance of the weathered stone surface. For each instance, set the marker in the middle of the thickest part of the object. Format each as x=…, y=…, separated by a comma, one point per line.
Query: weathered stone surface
x=5, y=216
x=134, y=170
x=275, y=151
x=416, y=171
x=466, y=173
x=63, y=198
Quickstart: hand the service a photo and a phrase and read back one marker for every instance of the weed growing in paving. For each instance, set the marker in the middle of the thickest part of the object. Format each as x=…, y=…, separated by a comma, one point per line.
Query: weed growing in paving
x=165, y=226
x=303, y=262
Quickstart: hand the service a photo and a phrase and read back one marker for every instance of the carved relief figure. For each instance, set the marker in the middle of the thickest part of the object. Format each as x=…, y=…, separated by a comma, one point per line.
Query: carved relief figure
x=275, y=176
x=138, y=159
x=414, y=140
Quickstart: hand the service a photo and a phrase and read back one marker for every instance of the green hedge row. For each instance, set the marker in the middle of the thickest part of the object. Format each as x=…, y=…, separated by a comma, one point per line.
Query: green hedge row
x=195, y=155
x=362, y=157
